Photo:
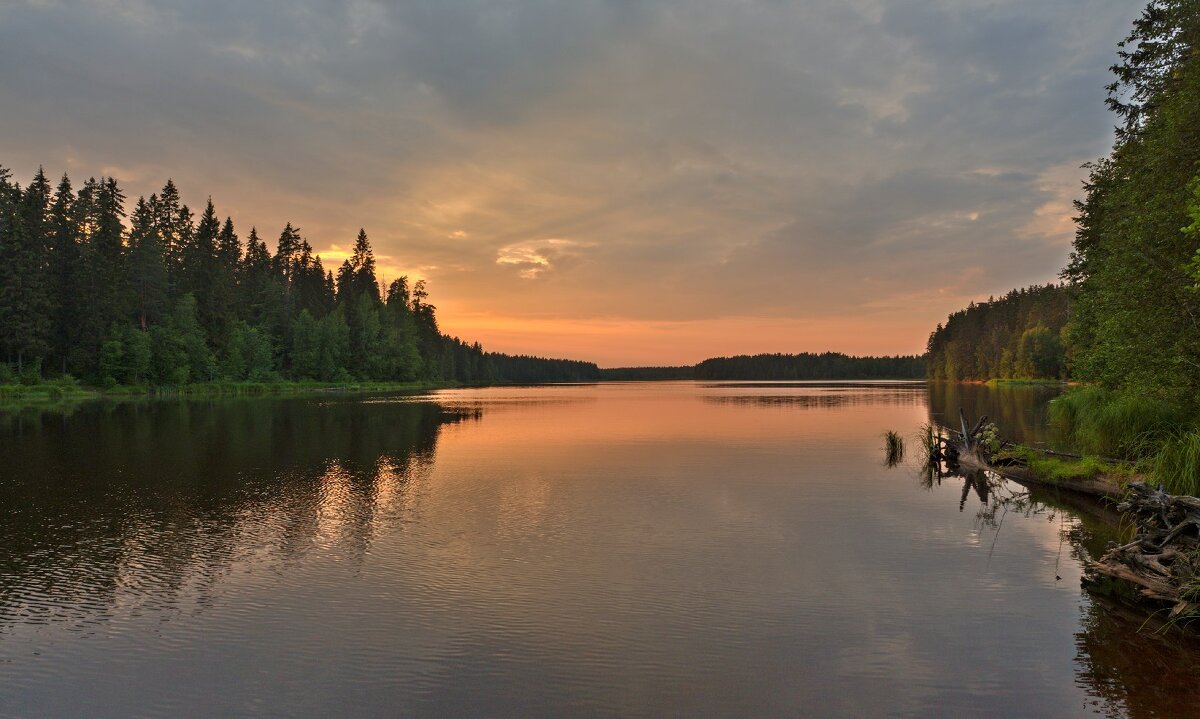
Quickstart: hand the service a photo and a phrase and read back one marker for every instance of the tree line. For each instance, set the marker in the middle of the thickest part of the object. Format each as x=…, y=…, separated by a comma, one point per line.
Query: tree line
x=810, y=366
x=1018, y=336
x=1135, y=268
x=159, y=296
x=1128, y=315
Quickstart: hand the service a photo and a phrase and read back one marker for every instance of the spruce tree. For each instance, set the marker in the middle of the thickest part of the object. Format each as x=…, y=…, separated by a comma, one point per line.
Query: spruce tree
x=147, y=266
x=25, y=310
x=63, y=272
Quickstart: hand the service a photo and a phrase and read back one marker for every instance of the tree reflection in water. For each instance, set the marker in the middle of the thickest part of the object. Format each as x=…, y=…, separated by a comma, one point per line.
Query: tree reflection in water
x=161, y=501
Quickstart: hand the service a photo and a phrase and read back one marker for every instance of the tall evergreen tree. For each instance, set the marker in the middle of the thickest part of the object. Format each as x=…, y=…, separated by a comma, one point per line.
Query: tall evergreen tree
x=64, y=267
x=19, y=326
x=101, y=257
x=28, y=298
x=1136, y=322
x=147, y=265
x=169, y=218
x=200, y=274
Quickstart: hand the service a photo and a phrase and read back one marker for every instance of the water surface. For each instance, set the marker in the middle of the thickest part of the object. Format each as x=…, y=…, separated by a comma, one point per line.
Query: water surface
x=657, y=549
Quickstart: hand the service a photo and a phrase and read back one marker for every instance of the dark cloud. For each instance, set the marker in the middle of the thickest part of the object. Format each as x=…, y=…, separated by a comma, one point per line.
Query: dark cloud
x=658, y=160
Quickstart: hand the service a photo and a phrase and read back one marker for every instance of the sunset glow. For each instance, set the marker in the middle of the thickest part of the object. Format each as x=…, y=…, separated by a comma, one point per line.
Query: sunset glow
x=649, y=183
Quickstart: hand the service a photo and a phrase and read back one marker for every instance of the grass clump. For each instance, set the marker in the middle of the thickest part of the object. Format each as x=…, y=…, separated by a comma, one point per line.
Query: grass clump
x=893, y=447
x=1177, y=464
x=1123, y=425
x=927, y=437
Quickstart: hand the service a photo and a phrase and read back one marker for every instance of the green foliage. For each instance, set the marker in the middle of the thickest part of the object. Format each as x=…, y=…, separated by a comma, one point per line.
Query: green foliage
x=1058, y=470
x=1124, y=425
x=250, y=355
x=173, y=300
x=31, y=373
x=1039, y=354
x=1015, y=337
x=1134, y=262
x=320, y=347
x=989, y=439
x=1192, y=231
x=1177, y=464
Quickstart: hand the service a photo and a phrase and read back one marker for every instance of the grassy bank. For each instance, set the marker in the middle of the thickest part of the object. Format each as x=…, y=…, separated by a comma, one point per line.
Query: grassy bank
x=1159, y=437
x=1025, y=382
x=60, y=392
x=1066, y=471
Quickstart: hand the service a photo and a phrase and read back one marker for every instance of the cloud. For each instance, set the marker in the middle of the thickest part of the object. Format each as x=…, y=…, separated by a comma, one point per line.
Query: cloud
x=533, y=257
x=780, y=162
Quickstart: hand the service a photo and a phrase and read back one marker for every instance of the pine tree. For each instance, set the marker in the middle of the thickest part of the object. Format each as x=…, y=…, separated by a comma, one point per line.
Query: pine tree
x=25, y=309
x=169, y=214
x=1136, y=322
x=147, y=266
x=199, y=275
x=63, y=272
x=101, y=260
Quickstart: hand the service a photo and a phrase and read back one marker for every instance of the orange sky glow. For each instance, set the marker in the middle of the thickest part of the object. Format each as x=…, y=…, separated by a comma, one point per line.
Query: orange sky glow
x=630, y=183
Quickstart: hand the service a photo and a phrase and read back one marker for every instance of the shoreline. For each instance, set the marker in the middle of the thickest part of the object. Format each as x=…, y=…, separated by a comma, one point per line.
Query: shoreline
x=15, y=397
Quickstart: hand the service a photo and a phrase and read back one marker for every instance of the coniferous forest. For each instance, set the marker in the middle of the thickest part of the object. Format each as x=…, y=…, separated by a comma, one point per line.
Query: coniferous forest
x=810, y=366
x=1128, y=317
x=1018, y=336
x=155, y=295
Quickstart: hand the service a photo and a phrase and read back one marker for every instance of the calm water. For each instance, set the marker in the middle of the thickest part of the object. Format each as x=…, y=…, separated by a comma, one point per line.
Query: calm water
x=664, y=549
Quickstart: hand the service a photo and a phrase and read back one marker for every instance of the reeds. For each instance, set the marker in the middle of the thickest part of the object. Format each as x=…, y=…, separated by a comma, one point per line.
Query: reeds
x=893, y=448
x=927, y=437
x=1177, y=464
x=1111, y=424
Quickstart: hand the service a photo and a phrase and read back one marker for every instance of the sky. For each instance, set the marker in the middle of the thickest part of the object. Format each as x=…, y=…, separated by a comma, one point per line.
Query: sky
x=625, y=181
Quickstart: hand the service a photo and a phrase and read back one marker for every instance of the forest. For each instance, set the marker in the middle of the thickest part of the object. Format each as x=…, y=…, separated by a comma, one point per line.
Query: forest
x=1126, y=321
x=1018, y=336
x=810, y=366
x=159, y=297
x=1127, y=316
x=1135, y=269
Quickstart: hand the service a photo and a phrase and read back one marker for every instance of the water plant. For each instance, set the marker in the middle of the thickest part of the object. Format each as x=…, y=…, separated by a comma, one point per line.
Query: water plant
x=927, y=439
x=893, y=448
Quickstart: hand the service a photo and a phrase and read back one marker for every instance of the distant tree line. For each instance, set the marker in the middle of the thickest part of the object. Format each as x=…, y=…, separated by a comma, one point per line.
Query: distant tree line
x=160, y=297
x=523, y=368
x=1018, y=336
x=641, y=374
x=808, y=366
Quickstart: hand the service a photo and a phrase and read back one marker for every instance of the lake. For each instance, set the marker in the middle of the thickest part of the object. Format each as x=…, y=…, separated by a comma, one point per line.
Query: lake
x=680, y=549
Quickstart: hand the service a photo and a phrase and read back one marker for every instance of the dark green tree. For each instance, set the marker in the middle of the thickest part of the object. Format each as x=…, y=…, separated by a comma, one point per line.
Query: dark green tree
x=147, y=266
x=63, y=272
x=25, y=307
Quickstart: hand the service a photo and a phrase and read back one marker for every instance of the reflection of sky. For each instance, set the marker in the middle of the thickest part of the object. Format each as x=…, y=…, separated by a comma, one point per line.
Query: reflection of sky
x=631, y=182
x=589, y=550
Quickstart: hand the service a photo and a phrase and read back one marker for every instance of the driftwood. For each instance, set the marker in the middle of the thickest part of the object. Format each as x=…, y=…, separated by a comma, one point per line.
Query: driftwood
x=961, y=449
x=1162, y=564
